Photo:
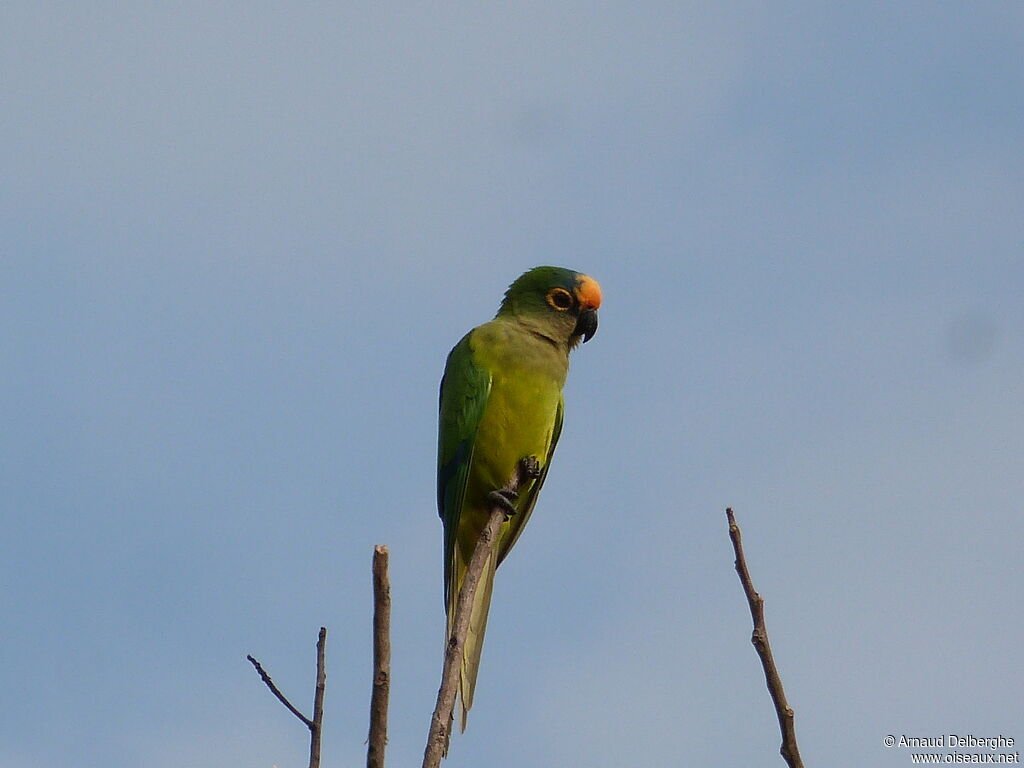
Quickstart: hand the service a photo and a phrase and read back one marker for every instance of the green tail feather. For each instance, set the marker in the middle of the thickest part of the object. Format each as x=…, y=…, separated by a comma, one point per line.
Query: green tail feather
x=475, y=638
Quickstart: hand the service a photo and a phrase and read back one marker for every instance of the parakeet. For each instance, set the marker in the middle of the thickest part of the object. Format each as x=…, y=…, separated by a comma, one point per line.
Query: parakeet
x=501, y=404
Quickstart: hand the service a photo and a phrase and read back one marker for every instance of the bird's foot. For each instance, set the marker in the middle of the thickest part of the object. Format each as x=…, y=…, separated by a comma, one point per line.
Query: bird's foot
x=505, y=499
x=530, y=466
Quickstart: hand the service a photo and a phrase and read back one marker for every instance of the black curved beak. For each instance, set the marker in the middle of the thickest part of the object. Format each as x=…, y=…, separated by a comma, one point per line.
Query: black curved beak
x=586, y=325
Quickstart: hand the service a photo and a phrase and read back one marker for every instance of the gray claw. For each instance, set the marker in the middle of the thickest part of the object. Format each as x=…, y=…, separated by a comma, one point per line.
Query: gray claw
x=505, y=499
x=531, y=466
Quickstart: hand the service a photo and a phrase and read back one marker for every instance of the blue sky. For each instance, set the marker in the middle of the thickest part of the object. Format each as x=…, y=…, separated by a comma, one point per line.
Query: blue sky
x=238, y=240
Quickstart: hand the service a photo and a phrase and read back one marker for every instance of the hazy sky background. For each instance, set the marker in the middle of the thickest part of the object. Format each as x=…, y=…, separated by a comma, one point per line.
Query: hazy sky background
x=237, y=241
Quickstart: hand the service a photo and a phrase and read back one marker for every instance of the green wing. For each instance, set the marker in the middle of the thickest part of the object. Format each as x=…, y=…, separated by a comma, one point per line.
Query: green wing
x=465, y=387
x=518, y=521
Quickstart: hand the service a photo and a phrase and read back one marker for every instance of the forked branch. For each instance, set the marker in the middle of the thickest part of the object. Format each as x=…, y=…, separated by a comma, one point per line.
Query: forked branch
x=315, y=724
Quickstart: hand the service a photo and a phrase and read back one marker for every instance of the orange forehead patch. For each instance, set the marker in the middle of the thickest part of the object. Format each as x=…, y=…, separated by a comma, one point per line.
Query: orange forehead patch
x=588, y=292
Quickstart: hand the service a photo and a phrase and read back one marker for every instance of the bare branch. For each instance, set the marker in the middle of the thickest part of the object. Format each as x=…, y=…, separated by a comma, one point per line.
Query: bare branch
x=280, y=696
x=316, y=729
x=441, y=720
x=316, y=724
x=790, y=751
x=378, y=738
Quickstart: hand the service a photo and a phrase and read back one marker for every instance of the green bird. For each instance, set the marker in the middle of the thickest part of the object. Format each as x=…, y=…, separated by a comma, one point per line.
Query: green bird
x=501, y=408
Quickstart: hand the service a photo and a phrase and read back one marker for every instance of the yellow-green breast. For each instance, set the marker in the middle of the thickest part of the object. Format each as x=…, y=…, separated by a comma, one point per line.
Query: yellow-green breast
x=527, y=374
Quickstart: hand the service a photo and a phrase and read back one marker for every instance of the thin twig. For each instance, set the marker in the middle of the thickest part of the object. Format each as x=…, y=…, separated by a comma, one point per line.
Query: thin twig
x=280, y=696
x=441, y=720
x=316, y=724
x=790, y=751
x=378, y=738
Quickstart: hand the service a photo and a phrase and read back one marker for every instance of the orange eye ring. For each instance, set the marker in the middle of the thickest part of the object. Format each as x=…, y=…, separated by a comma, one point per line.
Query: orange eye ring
x=560, y=299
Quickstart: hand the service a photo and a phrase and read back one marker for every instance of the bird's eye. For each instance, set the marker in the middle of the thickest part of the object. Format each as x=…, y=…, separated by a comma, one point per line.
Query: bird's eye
x=560, y=299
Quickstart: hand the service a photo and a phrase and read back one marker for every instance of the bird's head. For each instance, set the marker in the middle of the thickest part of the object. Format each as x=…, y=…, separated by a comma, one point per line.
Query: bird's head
x=560, y=303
